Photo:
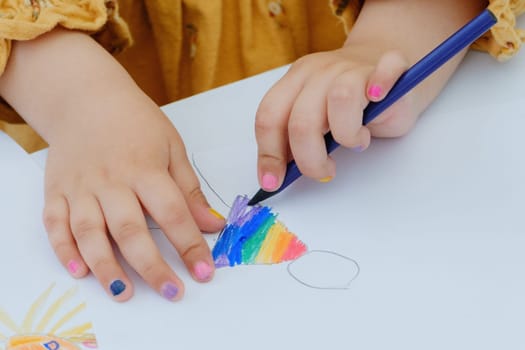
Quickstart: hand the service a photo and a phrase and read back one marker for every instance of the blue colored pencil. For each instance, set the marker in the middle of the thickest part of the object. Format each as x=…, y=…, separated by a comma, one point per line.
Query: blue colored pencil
x=406, y=82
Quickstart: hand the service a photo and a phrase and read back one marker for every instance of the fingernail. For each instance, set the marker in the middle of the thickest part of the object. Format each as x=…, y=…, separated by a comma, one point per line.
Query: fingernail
x=73, y=266
x=269, y=182
x=202, y=271
x=375, y=91
x=326, y=179
x=358, y=149
x=117, y=287
x=216, y=213
x=169, y=291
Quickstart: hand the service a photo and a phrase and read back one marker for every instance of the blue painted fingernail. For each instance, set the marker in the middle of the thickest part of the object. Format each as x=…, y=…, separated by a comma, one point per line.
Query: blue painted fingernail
x=169, y=291
x=117, y=287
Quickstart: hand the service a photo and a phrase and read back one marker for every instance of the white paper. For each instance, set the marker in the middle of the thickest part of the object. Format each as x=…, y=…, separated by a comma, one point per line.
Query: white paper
x=28, y=266
x=434, y=220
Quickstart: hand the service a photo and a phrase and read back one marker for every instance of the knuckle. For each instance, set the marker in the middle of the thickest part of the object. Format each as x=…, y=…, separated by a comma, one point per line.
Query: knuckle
x=305, y=62
x=61, y=246
x=84, y=227
x=300, y=64
x=101, y=264
x=310, y=169
x=53, y=219
x=190, y=248
x=197, y=195
x=150, y=268
x=339, y=92
x=127, y=232
x=271, y=159
x=344, y=139
x=298, y=128
x=262, y=122
x=173, y=215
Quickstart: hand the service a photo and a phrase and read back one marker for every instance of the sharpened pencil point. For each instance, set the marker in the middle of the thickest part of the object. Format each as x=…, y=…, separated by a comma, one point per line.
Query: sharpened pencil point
x=259, y=197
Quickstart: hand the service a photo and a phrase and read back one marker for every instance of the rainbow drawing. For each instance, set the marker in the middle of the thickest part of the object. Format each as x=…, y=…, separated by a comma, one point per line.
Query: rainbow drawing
x=253, y=235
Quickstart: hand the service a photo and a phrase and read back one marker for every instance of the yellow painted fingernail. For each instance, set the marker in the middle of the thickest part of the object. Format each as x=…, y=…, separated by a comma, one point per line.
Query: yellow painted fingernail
x=216, y=213
x=326, y=179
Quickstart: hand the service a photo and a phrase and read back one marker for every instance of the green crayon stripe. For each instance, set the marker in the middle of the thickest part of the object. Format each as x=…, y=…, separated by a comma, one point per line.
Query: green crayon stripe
x=251, y=247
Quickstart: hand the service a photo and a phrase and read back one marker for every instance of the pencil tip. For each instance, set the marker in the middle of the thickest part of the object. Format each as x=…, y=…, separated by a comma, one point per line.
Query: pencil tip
x=259, y=197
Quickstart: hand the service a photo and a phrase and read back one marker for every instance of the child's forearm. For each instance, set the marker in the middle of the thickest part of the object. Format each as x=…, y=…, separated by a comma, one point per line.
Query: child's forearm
x=50, y=79
x=413, y=27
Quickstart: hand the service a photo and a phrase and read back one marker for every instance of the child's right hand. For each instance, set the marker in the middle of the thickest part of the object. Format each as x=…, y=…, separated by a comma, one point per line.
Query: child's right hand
x=324, y=92
x=113, y=154
x=328, y=91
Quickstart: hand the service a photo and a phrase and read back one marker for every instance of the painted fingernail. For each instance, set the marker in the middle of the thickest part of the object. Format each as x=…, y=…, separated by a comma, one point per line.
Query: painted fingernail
x=375, y=91
x=326, y=179
x=358, y=149
x=117, y=287
x=169, y=291
x=269, y=182
x=203, y=271
x=73, y=266
x=216, y=213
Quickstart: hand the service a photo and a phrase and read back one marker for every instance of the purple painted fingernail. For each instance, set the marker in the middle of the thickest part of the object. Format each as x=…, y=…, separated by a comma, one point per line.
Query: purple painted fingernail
x=358, y=149
x=169, y=291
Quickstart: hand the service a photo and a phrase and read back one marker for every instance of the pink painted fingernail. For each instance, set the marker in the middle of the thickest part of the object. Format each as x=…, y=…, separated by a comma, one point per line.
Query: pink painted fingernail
x=203, y=271
x=269, y=182
x=375, y=91
x=73, y=266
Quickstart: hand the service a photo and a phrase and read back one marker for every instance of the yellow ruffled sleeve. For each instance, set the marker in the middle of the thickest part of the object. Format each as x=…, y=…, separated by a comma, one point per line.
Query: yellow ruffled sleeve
x=504, y=39
x=27, y=19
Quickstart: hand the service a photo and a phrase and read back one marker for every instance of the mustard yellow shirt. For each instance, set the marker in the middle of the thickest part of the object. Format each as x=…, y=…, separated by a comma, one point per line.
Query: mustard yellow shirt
x=177, y=48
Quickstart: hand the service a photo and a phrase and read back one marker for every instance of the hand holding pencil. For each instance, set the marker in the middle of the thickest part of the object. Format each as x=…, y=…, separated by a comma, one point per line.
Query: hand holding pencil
x=386, y=83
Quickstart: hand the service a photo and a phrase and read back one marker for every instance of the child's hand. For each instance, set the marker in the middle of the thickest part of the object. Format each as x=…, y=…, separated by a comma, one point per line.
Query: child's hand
x=112, y=154
x=328, y=91
x=321, y=92
x=101, y=173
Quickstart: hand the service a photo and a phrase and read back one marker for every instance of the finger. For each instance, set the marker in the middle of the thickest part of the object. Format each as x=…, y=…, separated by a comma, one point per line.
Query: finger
x=271, y=122
x=89, y=230
x=308, y=124
x=345, y=103
x=56, y=222
x=127, y=226
x=388, y=70
x=207, y=218
x=397, y=120
x=165, y=203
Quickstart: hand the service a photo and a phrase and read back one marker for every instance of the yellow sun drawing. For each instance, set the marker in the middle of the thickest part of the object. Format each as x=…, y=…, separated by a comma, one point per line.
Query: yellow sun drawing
x=44, y=335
